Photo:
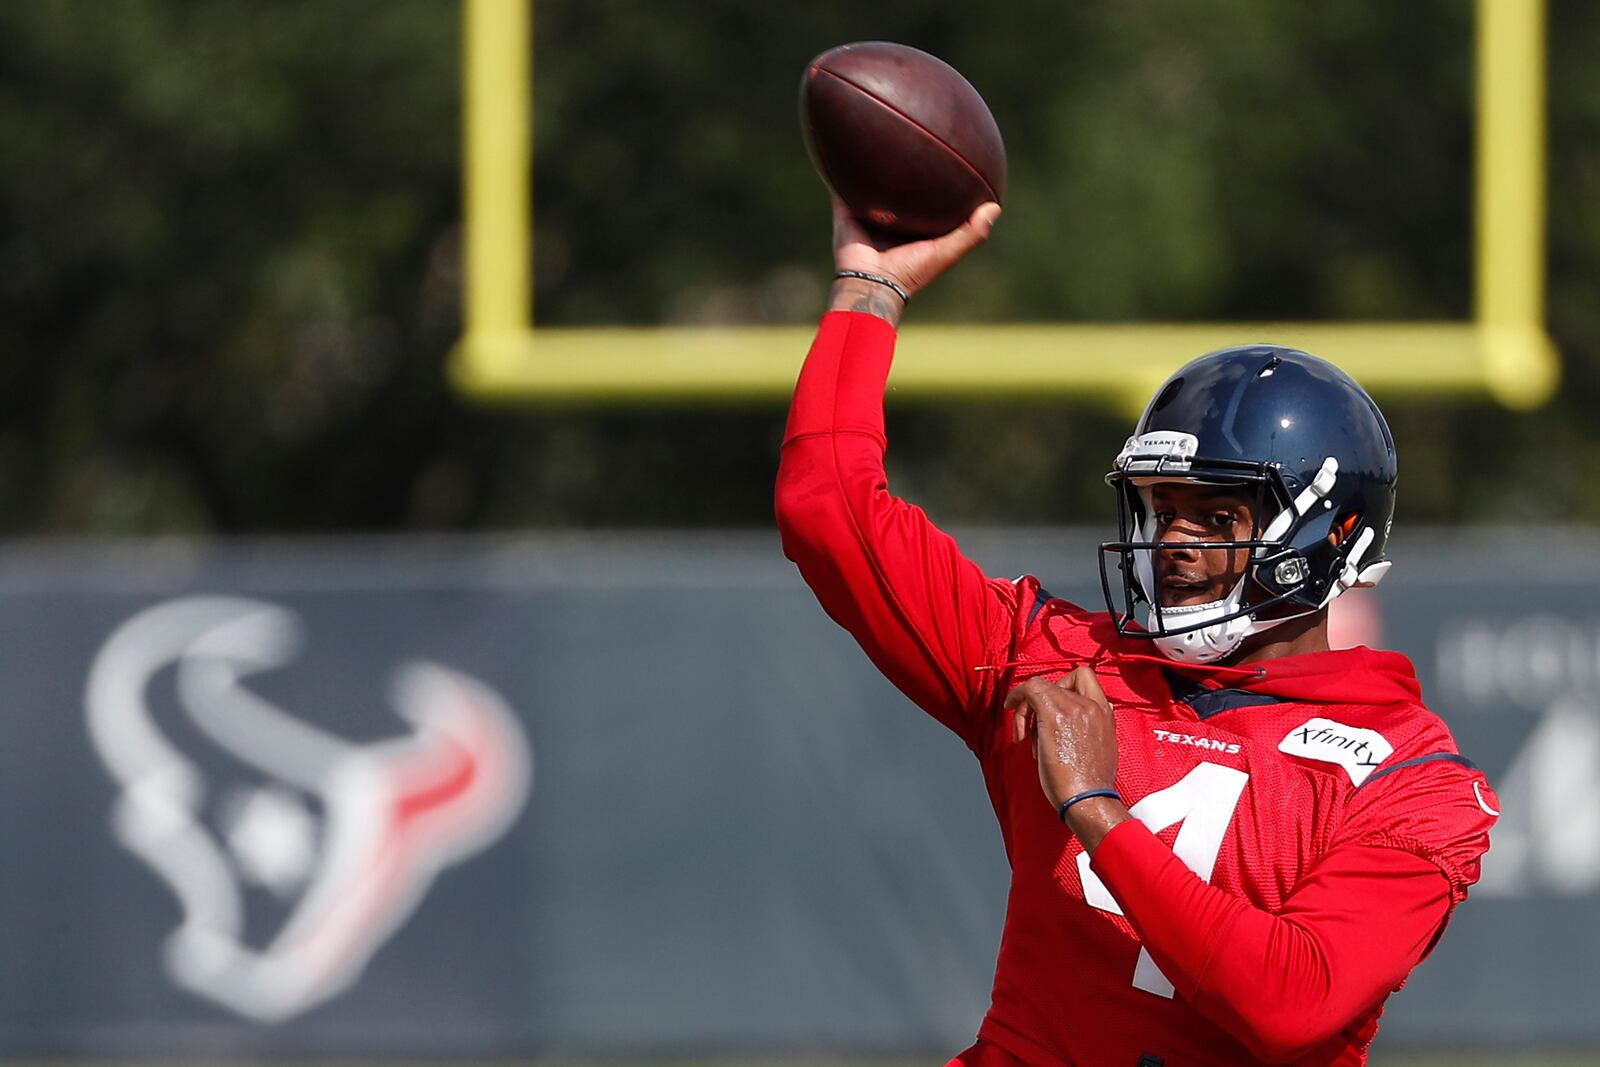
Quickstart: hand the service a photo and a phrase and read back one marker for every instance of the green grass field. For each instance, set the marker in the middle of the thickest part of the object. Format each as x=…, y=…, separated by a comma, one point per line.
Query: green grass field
x=1509, y=1059
x=1397, y=1060
x=1378, y=1060
x=1438, y=1059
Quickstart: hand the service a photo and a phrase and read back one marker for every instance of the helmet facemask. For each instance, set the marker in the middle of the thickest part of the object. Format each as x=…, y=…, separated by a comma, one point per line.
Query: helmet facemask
x=1292, y=561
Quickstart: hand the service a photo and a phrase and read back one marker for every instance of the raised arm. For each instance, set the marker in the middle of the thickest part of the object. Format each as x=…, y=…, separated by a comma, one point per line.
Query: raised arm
x=922, y=611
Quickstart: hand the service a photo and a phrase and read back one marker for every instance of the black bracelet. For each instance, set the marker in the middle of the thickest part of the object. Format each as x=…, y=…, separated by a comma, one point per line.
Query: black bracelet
x=1085, y=795
x=899, y=289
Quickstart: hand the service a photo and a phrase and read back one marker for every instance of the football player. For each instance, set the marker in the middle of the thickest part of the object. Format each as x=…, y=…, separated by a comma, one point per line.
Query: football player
x=1244, y=840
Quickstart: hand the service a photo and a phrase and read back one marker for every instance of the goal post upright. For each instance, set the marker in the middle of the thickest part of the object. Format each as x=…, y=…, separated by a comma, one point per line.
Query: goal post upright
x=1509, y=240
x=497, y=158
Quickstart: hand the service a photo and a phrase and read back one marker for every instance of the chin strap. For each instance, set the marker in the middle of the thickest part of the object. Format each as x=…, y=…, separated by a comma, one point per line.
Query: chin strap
x=1208, y=641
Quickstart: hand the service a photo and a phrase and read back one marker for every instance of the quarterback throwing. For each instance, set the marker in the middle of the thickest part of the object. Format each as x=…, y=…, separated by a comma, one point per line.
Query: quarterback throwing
x=1228, y=842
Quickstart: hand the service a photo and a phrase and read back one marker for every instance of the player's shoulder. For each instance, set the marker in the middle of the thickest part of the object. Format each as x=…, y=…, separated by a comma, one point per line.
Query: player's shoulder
x=1425, y=797
x=1369, y=740
x=1421, y=740
x=1031, y=602
x=1043, y=616
x=1409, y=728
x=1051, y=636
x=1420, y=769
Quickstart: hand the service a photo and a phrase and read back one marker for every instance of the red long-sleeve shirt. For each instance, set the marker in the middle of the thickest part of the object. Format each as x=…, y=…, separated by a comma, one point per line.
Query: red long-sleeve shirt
x=1301, y=833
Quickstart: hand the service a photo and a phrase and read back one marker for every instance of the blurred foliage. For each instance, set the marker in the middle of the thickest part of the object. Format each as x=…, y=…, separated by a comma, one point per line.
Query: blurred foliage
x=229, y=247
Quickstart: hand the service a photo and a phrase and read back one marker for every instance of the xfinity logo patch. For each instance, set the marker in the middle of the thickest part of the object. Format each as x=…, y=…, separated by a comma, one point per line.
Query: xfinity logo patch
x=1357, y=750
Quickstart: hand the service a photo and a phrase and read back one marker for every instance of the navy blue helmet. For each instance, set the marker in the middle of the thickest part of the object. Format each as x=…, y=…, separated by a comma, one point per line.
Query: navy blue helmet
x=1319, y=456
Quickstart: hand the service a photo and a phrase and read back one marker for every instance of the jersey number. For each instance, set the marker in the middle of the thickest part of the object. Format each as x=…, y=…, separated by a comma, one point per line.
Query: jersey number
x=1204, y=801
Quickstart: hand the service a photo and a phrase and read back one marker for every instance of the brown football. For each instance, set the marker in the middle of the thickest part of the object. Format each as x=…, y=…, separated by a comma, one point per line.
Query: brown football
x=901, y=137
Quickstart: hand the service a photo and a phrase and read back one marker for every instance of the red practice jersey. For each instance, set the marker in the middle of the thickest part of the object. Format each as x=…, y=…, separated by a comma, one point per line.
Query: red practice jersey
x=1303, y=827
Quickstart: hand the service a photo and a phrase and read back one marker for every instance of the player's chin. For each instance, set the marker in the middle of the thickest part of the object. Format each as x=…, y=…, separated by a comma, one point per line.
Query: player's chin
x=1188, y=597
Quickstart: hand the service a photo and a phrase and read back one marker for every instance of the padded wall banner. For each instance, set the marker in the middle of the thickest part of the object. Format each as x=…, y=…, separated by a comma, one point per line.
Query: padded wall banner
x=631, y=795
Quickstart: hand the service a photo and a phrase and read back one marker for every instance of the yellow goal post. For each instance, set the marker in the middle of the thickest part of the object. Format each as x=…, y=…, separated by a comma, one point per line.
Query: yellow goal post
x=1503, y=352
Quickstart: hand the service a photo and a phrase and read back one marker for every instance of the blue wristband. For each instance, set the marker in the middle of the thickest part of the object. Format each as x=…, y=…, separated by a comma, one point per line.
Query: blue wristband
x=1085, y=795
x=900, y=290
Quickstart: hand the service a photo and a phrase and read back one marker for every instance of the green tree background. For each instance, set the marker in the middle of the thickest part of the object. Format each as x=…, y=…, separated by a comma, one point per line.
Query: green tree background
x=230, y=247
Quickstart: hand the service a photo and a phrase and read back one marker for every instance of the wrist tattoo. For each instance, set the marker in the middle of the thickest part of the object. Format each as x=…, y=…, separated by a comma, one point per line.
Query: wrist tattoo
x=881, y=304
x=855, y=295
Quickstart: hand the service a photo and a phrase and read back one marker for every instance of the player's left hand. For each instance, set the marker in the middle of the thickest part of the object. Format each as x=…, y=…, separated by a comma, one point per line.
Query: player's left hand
x=1075, y=736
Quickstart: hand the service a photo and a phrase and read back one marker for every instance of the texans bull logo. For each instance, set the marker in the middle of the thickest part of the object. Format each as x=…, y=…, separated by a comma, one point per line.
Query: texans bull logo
x=386, y=817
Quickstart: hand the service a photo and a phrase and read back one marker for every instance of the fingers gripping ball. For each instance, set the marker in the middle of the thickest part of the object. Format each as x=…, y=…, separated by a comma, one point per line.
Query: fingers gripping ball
x=902, y=138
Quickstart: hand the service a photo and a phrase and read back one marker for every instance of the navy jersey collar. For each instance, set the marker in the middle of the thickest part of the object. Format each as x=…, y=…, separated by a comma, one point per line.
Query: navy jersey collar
x=1208, y=702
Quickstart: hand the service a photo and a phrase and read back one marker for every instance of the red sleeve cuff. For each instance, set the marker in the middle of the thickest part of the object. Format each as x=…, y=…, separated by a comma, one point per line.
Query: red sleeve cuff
x=841, y=385
x=1128, y=853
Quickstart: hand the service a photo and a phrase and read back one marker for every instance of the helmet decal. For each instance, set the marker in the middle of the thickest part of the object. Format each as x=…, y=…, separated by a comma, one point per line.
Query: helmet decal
x=1158, y=453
